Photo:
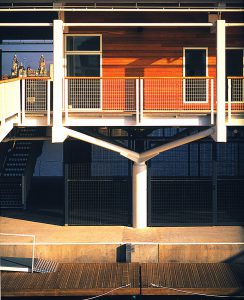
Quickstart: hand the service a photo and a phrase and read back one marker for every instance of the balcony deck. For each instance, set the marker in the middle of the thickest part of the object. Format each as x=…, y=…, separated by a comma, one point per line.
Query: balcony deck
x=121, y=101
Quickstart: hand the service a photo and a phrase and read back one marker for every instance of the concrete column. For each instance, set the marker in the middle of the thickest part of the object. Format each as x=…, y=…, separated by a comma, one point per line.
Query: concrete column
x=139, y=195
x=58, y=75
x=221, y=82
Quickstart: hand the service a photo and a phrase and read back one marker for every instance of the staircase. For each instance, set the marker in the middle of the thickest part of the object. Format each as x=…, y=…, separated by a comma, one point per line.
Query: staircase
x=17, y=168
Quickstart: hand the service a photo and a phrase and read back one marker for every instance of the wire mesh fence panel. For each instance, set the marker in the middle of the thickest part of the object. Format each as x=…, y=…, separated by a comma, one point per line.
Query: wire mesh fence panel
x=180, y=201
x=237, y=94
x=84, y=94
x=110, y=94
x=230, y=201
x=99, y=192
x=99, y=201
x=119, y=94
x=36, y=95
x=173, y=94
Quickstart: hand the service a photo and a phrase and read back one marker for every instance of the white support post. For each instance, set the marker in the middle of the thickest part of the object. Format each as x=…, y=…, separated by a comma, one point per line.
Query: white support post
x=212, y=101
x=139, y=183
x=137, y=102
x=58, y=75
x=141, y=99
x=229, y=101
x=23, y=102
x=221, y=77
x=66, y=101
x=48, y=102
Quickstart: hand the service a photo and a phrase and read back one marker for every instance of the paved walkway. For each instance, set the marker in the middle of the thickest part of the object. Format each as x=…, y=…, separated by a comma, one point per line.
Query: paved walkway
x=48, y=233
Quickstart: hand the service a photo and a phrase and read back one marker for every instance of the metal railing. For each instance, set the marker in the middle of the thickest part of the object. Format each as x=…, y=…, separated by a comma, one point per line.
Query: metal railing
x=140, y=95
x=235, y=95
x=11, y=247
x=36, y=96
x=101, y=93
x=9, y=99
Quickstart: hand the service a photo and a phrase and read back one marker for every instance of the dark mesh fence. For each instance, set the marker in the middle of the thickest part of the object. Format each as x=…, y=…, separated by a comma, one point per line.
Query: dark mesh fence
x=197, y=185
x=99, y=192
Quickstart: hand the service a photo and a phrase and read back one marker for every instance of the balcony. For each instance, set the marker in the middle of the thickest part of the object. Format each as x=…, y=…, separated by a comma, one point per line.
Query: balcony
x=121, y=101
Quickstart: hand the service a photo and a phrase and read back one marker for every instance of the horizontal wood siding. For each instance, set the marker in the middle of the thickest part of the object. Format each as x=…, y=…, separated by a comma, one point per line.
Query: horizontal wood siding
x=147, y=52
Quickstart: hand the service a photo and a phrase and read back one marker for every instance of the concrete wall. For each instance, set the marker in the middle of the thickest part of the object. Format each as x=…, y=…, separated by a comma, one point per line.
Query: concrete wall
x=140, y=253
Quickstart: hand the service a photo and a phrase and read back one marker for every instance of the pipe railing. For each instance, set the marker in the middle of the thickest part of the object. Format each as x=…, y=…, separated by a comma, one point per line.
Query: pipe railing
x=16, y=243
x=36, y=96
x=235, y=101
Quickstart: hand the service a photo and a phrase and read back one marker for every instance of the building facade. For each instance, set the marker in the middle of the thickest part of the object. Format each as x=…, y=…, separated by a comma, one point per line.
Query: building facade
x=148, y=101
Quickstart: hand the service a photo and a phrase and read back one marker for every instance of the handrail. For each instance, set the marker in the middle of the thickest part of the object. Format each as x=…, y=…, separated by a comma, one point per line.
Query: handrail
x=90, y=77
x=151, y=77
x=10, y=80
x=178, y=77
x=36, y=78
x=33, y=245
x=235, y=77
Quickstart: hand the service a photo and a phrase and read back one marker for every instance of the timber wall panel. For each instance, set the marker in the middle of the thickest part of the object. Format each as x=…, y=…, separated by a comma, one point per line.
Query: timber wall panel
x=146, y=52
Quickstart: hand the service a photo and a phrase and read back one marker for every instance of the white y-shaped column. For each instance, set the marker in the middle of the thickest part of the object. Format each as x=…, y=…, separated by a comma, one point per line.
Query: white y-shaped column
x=139, y=180
x=139, y=196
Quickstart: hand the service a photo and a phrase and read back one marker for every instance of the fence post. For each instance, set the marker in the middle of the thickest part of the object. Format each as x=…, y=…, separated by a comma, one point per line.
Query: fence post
x=141, y=99
x=212, y=101
x=23, y=101
x=229, y=100
x=48, y=102
x=137, y=102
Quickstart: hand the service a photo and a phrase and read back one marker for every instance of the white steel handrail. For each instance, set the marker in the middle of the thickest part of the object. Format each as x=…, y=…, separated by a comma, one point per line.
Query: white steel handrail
x=23, y=235
x=229, y=100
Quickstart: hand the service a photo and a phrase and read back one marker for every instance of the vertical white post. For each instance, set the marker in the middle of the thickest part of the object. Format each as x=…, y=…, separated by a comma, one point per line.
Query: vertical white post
x=212, y=101
x=48, y=102
x=141, y=98
x=221, y=75
x=229, y=100
x=66, y=100
x=137, y=102
x=23, y=101
x=58, y=74
x=139, y=195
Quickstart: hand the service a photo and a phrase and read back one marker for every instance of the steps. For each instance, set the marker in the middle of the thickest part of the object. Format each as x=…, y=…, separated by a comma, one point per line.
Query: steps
x=18, y=166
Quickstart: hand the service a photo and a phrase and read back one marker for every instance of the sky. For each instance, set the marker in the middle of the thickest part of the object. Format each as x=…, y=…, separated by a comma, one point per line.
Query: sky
x=31, y=58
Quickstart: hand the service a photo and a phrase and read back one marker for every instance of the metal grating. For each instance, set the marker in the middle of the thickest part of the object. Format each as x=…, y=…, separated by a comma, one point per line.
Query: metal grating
x=230, y=201
x=185, y=201
x=35, y=95
x=205, y=276
x=99, y=201
x=187, y=187
x=44, y=266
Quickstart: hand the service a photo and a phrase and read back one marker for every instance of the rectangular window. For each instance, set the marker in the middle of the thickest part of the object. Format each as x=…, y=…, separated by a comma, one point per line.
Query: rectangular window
x=83, y=65
x=83, y=43
x=195, y=65
x=234, y=68
x=83, y=59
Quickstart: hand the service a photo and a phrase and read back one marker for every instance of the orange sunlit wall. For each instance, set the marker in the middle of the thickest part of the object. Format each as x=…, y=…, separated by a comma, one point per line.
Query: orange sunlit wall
x=152, y=52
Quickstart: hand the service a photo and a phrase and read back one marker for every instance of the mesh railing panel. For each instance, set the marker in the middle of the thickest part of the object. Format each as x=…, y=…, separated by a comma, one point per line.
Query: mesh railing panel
x=177, y=94
x=237, y=94
x=84, y=94
x=106, y=93
x=35, y=95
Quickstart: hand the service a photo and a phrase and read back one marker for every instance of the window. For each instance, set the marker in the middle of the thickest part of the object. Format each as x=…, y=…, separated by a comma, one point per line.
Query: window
x=83, y=59
x=195, y=65
x=234, y=68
